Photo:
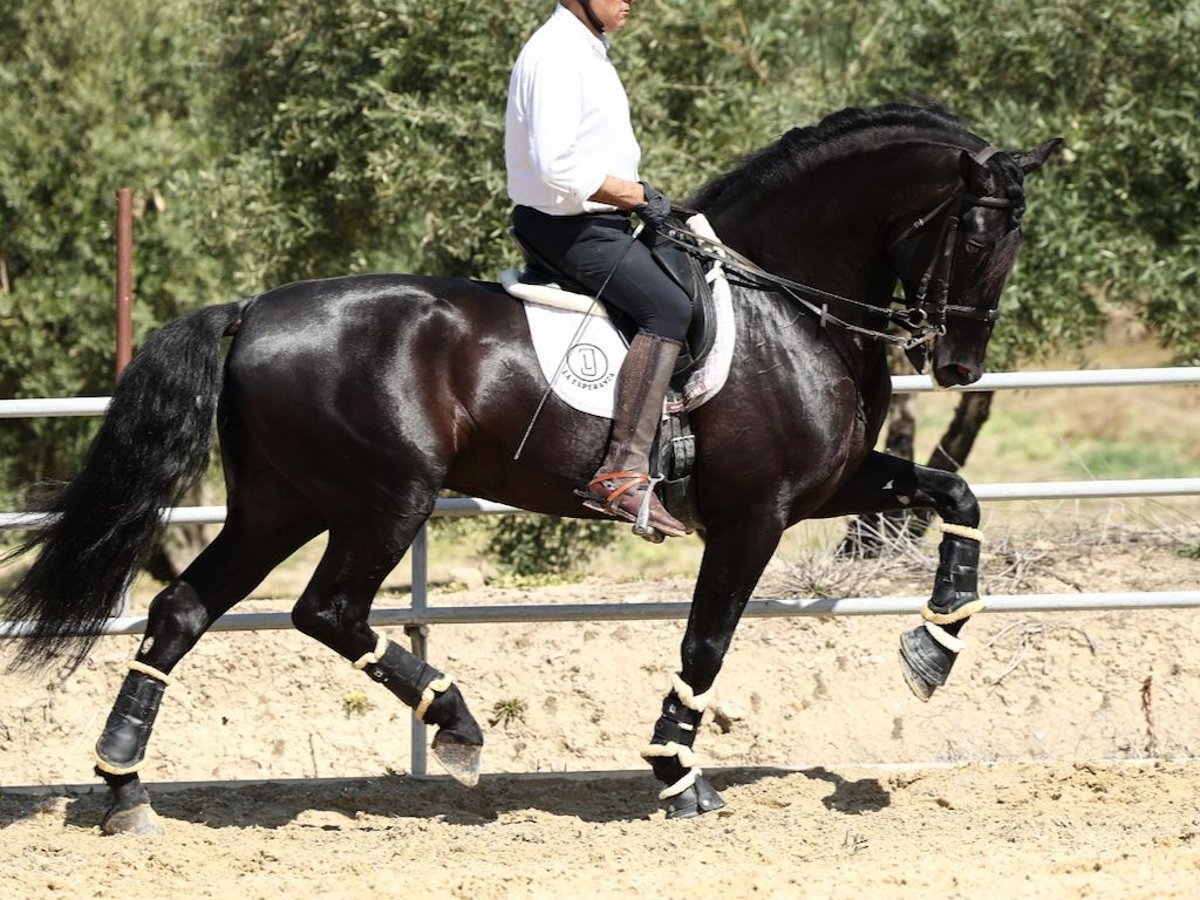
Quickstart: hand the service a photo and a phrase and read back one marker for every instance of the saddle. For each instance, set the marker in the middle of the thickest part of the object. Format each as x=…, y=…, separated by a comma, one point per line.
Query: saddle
x=676, y=444
x=684, y=269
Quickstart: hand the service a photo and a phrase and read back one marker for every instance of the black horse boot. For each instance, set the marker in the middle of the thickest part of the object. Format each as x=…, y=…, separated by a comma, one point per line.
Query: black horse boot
x=621, y=486
x=121, y=751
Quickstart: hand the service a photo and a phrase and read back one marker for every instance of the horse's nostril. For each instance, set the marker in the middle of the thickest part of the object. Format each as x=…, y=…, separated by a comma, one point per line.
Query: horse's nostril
x=957, y=374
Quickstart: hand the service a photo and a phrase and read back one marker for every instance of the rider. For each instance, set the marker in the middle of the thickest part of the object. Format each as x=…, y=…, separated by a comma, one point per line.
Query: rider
x=572, y=162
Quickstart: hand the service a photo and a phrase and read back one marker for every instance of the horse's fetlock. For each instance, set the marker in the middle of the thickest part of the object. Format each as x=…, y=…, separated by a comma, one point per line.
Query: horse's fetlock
x=127, y=790
x=433, y=696
x=668, y=770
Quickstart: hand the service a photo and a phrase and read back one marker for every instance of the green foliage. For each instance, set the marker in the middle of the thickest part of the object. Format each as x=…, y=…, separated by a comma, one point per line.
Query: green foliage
x=536, y=545
x=1129, y=458
x=363, y=135
x=79, y=120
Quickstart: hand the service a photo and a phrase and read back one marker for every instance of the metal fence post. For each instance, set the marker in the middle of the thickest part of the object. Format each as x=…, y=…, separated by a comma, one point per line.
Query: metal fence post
x=418, y=635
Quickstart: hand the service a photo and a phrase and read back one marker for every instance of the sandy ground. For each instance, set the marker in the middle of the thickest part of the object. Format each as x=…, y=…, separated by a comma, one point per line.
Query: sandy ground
x=1059, y=762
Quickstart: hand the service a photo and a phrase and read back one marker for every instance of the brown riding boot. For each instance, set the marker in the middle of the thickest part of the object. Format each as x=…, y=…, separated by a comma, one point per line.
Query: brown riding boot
x=621, y=483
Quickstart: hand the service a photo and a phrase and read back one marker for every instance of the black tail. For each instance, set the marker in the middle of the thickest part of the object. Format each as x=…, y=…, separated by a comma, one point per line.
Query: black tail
x=151, y=447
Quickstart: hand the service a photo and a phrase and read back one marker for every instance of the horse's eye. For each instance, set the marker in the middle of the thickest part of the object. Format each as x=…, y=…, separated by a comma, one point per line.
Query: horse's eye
x=974, y=247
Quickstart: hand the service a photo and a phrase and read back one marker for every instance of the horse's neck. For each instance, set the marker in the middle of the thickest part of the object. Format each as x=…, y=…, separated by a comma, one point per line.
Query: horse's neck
x=830, y=228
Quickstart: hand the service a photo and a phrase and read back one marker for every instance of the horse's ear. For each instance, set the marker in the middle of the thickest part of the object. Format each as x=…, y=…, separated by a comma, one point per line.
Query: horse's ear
x=1035, y=159
x=974, y=173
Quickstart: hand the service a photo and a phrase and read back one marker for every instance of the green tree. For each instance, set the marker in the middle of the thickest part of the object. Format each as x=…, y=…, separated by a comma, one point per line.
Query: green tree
x=91, y=99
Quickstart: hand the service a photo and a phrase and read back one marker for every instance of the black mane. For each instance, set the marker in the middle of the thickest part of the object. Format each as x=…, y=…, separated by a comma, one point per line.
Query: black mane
x=835, y=136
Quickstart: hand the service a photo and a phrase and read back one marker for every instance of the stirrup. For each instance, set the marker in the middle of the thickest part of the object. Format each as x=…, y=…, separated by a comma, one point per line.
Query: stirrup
x=608, y=504
x=642, y=525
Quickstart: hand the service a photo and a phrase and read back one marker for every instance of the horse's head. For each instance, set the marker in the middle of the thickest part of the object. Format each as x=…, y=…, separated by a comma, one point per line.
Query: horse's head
x=953, y=260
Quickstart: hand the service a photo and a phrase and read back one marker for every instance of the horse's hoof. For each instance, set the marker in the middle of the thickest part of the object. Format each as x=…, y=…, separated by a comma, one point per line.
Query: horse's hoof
x=921, y=688
x=140, y=819
x=698, y=799
x=462, y=761
x=924, y=662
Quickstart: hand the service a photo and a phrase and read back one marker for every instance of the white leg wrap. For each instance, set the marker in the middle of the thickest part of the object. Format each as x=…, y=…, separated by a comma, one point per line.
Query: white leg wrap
x=680, y=786
x=687, y=757
x=374, y=656
x=963, y=531
x=688, y=697
x=967, y=609
x=136, y=666
x=108, y=767
x=436, y=687
x=945, y=638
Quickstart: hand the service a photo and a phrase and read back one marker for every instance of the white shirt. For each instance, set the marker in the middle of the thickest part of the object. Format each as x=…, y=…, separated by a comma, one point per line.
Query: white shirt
x=567, y=122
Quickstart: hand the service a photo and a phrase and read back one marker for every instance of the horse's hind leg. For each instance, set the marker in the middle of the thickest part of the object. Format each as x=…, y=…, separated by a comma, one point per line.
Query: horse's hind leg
x=334, y=610
x=883, y=483
x=246, y=550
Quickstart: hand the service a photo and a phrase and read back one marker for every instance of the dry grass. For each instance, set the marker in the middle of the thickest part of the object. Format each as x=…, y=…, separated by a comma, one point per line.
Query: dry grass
x=1020, y=555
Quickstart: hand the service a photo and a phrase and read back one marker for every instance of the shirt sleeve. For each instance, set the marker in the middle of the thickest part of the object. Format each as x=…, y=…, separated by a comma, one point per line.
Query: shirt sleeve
x=553, y=109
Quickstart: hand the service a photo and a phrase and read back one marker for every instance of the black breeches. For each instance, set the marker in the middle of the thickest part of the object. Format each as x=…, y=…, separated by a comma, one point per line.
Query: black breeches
x=588, y=247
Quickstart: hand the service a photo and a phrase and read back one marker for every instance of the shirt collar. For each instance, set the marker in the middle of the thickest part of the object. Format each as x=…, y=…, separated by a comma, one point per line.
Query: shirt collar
x=598, y=45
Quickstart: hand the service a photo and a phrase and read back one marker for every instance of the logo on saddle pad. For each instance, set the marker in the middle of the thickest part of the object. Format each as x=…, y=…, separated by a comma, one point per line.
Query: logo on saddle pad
x=588, y=368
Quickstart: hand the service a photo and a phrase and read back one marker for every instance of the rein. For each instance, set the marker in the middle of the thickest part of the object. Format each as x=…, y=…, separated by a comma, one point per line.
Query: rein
x=915, y=317
x=814, y=299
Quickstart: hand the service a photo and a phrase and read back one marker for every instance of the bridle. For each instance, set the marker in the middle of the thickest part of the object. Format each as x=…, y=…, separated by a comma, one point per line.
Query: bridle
x=923, y=317
x=933, y=290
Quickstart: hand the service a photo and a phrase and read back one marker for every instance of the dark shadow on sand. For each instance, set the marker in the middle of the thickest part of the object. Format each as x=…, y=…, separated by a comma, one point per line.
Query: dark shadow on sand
x=359, y=804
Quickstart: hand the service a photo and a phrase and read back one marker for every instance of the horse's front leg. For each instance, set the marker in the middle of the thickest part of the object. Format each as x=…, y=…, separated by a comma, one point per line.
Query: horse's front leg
x=885, y=483
x=735, y=555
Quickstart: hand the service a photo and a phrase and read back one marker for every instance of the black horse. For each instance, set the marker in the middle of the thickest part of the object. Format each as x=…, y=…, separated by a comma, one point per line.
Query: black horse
x=346, y=405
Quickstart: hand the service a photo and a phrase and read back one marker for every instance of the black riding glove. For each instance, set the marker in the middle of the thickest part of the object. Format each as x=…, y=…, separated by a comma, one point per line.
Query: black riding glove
x=655, y=210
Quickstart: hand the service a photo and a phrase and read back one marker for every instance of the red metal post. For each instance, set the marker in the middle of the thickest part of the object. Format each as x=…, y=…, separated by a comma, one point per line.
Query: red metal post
x=124, y=278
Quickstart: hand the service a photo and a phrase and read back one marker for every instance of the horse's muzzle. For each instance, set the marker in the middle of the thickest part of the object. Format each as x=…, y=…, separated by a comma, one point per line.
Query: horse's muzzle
x=956, y=374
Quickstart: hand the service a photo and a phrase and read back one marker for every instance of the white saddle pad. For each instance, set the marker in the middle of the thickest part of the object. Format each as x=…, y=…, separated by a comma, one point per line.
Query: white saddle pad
x=580, y=351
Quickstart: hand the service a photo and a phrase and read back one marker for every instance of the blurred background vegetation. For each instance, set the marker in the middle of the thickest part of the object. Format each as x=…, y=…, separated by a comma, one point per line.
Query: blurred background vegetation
x=275, y=140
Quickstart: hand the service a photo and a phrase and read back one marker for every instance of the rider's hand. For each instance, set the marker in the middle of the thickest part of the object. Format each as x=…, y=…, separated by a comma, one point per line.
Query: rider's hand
x=655, y=210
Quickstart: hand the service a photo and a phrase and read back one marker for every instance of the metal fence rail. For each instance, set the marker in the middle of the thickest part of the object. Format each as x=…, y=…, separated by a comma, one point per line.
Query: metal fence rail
x=461, y=507
x=901, y=384
x=627, y=612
